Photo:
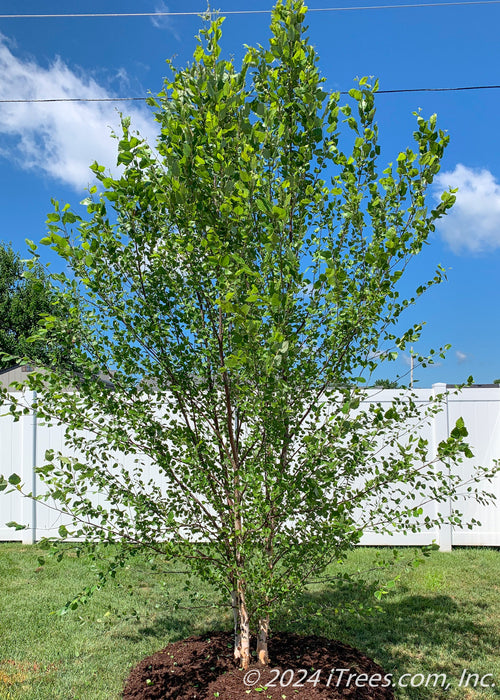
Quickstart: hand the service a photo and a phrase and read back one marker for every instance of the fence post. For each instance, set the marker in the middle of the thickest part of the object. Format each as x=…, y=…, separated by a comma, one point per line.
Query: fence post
x=441, y=431
x=28, y=475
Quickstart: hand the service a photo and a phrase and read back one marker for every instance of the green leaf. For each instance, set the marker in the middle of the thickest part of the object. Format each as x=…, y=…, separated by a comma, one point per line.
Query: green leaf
x=263, y=205
x=16, y=526
x=125, y=158
x=62, y=531
x=259, y=108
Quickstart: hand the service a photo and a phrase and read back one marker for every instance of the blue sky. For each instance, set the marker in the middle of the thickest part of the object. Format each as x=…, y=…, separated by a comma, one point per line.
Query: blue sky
x=45, y=149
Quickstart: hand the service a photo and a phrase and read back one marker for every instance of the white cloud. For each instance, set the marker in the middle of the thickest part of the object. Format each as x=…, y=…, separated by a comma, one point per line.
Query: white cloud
x=60, y=139
x=165, y=22
x=461, y=356
x=473, y=225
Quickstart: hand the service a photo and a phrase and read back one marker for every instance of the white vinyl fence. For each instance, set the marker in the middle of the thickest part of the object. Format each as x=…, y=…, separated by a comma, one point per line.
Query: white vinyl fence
x=23, y=445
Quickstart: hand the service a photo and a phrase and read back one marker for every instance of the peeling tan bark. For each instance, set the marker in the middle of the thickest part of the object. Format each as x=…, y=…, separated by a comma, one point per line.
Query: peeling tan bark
x=242, y=630
x=236, y=619
x=262, y=651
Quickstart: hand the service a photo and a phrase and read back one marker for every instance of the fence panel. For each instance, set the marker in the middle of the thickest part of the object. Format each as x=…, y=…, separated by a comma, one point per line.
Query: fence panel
x=427, y=431
x=11, y=460
x=23, y=445
x=480, y=409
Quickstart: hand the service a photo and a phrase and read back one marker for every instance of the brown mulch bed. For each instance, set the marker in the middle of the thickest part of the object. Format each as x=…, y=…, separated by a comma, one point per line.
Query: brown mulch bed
x=203, y=667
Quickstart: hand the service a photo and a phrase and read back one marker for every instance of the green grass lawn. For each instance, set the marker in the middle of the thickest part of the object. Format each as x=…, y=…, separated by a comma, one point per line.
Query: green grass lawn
x=443, y=617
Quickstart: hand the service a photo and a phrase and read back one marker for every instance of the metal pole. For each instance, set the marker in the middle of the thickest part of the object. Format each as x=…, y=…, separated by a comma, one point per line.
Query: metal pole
x=33, y=462
x=411, y=367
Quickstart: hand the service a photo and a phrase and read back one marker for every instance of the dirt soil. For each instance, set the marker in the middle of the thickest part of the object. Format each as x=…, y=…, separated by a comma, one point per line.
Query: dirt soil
x=203, y=667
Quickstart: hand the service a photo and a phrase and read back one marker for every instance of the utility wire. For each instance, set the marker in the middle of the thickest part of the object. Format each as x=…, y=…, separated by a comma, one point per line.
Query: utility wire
x=341, y=92
x=76, y=99
x=246, y=12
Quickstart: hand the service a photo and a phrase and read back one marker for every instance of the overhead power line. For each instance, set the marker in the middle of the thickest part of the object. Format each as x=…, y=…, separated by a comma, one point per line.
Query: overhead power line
x=436, y=89
x=143, y=99
x=75, y=99
x=245, y=12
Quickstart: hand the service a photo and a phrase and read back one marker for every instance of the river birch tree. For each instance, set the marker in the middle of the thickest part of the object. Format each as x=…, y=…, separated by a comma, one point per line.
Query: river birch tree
x=236, y=281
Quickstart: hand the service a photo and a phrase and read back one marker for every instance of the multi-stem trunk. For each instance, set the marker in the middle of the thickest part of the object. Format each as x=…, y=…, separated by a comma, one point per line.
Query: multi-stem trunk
x=262, y=651
x=241, y=626
x=240, y=612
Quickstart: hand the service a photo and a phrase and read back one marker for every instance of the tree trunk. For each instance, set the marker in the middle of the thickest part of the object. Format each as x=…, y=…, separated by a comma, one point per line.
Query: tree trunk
x=262, y=653
x=242, y=627
x=236, y=617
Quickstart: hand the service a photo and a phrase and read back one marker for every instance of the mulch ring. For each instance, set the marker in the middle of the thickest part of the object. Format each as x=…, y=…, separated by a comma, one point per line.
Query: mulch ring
x=301, y=668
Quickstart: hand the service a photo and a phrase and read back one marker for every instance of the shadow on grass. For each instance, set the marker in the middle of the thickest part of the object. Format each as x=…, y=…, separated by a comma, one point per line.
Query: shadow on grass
x=410, y=634
x=169, y=626
x=417, y=634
